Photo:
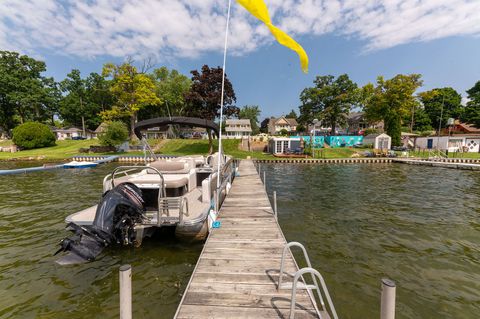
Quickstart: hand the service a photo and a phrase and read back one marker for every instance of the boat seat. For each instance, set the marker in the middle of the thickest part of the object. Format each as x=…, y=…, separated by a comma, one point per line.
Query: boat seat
x=176, y=168
x=170, y=167
x=170, y=181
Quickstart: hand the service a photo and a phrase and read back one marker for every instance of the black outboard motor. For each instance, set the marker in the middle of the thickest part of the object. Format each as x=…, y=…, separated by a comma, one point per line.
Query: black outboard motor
x=117, y=213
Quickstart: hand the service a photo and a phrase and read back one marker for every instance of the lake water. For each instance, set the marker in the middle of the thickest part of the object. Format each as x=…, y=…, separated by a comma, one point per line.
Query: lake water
x=417, y=225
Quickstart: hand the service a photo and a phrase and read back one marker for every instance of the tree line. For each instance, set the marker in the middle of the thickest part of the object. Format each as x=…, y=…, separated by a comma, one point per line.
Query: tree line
x=393, y=101
x=120, y=92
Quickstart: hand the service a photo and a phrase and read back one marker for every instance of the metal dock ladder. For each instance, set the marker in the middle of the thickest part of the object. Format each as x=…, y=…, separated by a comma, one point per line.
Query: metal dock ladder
x=295, y=284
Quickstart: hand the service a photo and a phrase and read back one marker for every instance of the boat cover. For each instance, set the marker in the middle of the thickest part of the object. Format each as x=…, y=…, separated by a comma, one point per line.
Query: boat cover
x=180, y=120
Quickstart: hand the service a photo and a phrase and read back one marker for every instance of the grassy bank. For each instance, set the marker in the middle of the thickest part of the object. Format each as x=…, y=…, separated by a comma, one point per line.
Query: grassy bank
x=63, y=149
x=181, y=147
x=189, y=147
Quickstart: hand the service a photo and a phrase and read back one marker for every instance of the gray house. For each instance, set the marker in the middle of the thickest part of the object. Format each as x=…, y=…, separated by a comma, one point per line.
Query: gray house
x=238, y=128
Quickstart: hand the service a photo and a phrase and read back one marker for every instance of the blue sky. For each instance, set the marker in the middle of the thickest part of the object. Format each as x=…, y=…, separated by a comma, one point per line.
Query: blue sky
x=436, y=38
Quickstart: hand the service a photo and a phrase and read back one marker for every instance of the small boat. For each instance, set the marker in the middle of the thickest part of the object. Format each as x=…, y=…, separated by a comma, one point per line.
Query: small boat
x=75, y=164
x=183, y=193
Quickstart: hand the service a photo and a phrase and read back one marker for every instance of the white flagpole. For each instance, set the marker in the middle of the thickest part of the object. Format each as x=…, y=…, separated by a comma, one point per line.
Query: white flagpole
x=221, y=98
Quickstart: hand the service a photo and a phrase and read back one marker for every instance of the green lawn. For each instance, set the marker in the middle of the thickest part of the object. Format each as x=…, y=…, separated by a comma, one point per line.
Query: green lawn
x=63, y=149
x=426, y=154
x=180, y=147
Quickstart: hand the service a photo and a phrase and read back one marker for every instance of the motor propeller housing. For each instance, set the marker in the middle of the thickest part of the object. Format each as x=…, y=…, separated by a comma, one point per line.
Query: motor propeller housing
x=119, y=210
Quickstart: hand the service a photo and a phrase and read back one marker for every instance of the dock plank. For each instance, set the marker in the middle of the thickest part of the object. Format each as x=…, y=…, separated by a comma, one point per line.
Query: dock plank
x=237, y=273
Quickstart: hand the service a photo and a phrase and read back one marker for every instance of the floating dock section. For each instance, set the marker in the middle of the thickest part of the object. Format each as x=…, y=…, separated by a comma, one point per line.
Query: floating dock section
x=237, y=273
x=101, y=160
x=466, y=164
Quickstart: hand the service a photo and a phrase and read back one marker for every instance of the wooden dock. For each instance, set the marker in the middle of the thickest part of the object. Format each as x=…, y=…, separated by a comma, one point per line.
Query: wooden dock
x=473, y=166
x=237, y=273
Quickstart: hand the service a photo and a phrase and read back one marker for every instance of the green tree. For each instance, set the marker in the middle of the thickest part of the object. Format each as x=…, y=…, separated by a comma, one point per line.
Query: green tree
x=442, y=98
x=25, y=95
x=73, y=106
x=422, y=121
x=330, y=100
x=292, y=115
x=98, y=93
x=171, y=88
x=33, y=135
x=115, y=134
x=391, y=101
x=251, y=112
x=264, y=125
x=132, y=91
x=203, y=99
x=472, y=109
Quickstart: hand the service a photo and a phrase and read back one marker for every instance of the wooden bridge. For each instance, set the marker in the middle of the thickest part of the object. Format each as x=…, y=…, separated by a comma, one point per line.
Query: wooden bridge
x=237, y=273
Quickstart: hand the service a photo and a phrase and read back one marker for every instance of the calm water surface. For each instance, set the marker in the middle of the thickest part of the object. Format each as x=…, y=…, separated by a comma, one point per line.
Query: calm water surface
x=417, y=225
x=32, y=210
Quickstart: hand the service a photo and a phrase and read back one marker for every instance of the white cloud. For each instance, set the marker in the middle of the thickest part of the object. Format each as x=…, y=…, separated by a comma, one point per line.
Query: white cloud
x=168, y=29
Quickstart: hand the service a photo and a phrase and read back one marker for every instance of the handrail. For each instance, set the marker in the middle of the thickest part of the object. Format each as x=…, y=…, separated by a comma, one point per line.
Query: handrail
x=146, y=147
x=314, y=274
x=307, y=259
x=161, y=190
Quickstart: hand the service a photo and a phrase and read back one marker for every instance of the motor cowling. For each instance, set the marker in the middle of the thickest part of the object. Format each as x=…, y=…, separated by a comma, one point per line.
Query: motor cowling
x=117, y=213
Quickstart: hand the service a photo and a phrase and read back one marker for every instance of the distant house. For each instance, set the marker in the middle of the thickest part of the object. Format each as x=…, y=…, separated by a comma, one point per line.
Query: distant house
x=101, y=128
x=238, y=128
x=455, y=143
x=463, y=128
x=276, y=125
x=356, y=122
x=72, y=133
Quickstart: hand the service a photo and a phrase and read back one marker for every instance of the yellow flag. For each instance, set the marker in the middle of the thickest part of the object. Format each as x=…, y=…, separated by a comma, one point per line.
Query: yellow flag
x=259, y=10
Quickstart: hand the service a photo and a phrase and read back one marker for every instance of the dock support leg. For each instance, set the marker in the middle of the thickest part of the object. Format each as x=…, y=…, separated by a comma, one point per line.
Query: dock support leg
x=387, y=308
x=264, y=180
x=275, y=204
x=126, y=292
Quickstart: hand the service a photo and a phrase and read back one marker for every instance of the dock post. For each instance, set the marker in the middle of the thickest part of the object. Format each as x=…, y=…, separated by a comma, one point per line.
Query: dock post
x=264, y=180
x=215, y=200
x=387, y=307
x=126, y=292
x=275, y=204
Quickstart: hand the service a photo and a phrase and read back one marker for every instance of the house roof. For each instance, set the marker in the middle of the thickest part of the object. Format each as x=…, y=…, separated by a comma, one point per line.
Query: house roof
x=101, y=127
x=371, y=136
x=469, y=128
x=289, y=121
x=238, y=122
x=355, y=116
x=67, y=130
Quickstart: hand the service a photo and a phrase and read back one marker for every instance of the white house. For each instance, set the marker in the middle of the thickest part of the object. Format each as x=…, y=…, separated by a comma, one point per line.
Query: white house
x=72, y=133
x=379, y=141
x=454, y=143
x=238, y=128
x=276, y=125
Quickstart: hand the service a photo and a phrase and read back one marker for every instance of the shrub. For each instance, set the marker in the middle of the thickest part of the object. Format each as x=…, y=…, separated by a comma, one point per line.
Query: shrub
x=369, y=131
x=115, y=134
x=33, y=135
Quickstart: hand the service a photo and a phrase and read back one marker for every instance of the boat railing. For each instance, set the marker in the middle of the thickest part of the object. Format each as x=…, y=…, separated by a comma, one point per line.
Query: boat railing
x=146, y=147
x=125, y=170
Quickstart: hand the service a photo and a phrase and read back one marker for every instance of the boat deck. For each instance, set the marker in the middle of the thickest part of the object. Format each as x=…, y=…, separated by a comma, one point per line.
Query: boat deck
x=237, y=273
